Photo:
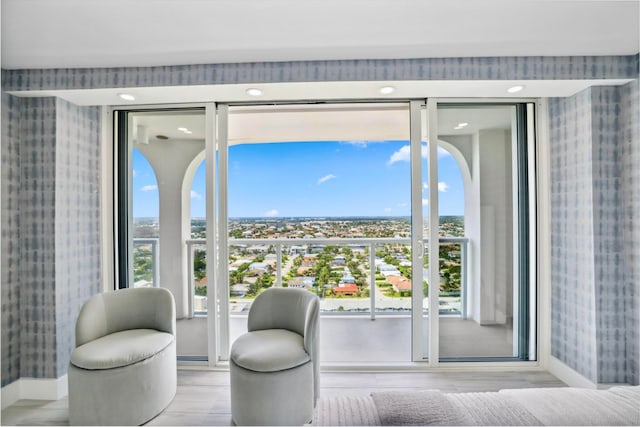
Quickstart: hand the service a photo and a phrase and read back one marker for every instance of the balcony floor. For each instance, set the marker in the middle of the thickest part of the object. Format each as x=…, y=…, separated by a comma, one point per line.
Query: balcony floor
x=353, y=339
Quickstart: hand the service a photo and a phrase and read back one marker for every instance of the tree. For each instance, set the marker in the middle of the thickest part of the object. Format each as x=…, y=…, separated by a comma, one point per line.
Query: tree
x=199, y=264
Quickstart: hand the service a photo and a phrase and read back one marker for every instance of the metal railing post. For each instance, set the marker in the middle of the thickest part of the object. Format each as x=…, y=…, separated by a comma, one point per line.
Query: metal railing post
x=372, y=279
x=463, y=272
x=155, y=276
x=190, y=284
x=279, y=263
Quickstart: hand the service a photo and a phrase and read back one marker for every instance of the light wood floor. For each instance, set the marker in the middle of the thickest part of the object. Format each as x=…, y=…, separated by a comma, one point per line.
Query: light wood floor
x=203, y=395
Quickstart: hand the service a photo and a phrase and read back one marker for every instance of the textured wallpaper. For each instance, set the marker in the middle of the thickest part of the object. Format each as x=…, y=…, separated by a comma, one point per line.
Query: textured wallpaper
x=37, y=236
x=77, y=226
x=630, y=221
x=610, y=288
x=50, y=231
x=10, y=239
x=594, y=214
x=496, y=68
x=572, y=273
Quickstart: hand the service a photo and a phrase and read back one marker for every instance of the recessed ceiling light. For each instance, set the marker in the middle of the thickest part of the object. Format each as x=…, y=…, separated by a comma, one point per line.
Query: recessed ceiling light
x=254, y=91
x=515, y=89
x=463, y=124
x=127, y=96
x=183, y=129
x=188, y=132
x=386, y=90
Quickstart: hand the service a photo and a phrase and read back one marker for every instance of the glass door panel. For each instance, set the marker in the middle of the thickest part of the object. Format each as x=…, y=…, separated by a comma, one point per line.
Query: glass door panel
x=319, y=198
x=479, y=246
x=166, y=189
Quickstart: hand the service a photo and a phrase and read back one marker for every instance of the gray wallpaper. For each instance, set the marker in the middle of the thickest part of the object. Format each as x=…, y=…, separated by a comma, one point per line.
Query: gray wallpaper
x=610, y=289
x=10, y=239
x=572, y=272
x=50, y=208
x=630, y=221
x=37, y=235
x=77, y=227
x=50, y=231
x=594, y=214
x=495, y=68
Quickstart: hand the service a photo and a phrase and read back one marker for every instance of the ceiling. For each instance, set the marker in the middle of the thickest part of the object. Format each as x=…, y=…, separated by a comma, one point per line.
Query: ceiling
x=114, y=33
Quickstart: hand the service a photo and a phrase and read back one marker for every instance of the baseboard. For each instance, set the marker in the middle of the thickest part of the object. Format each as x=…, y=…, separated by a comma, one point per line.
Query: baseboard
x=568, y=375
x=36, y=389
x=10, y=393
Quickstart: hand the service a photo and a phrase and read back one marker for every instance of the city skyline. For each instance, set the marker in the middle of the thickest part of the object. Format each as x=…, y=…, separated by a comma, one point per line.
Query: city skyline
x=313, y=179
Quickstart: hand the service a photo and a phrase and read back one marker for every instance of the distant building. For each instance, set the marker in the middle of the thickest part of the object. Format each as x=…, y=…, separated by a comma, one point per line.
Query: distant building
x=258, y=249
x=339, y=260
x=302, y=282
x=400, y=283
x=259, y=267
x=347, y=278
x=298, y=250
x=346, y=289
x=388, y=270
x=239, y=289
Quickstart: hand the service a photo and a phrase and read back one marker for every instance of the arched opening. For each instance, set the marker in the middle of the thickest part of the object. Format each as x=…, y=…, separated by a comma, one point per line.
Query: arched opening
x=145, y=212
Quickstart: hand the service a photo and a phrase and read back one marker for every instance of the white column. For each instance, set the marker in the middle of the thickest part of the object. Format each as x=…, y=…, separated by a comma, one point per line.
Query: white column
x=174, y=163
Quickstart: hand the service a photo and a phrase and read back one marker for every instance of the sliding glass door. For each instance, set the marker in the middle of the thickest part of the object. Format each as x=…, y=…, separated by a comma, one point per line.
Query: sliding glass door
x=485, y=192
x=413, y=222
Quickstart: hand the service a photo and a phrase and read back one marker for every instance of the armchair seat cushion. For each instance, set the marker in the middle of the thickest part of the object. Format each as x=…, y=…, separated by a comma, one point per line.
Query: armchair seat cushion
x=120, y=349
x=269, y=350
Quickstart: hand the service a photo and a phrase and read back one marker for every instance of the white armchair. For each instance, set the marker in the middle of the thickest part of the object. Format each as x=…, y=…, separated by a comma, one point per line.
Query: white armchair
x=123, y=370
x=275, y=366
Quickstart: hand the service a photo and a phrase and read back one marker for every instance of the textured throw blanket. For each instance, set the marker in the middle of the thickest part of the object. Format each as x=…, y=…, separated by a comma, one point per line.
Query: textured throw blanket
x=553, y=406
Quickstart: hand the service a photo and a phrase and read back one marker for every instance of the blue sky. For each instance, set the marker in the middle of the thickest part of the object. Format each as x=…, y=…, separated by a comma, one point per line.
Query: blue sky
x=312, y=179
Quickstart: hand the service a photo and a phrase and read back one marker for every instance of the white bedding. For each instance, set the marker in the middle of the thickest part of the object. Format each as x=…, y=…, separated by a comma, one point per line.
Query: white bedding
x=538, y=406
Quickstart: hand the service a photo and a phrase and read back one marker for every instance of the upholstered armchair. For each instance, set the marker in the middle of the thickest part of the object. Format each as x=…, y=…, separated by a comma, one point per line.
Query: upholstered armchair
x=123, y=370
x=275, y=366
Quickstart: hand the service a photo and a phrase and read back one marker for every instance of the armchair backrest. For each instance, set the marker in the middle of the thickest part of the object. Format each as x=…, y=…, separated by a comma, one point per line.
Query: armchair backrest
x=124, y=309
x=293, y=309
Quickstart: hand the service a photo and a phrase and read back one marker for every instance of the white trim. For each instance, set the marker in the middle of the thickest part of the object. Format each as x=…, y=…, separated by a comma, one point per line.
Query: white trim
x=35, y=389
x=417, y=238
x=543, y=236
x=434, y=236
x=211, y=207
x=568, y=375
x=107, y=209
x=10, y=393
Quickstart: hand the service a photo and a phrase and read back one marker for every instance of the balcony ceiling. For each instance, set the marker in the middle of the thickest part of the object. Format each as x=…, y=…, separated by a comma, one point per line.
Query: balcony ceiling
x=115, y=33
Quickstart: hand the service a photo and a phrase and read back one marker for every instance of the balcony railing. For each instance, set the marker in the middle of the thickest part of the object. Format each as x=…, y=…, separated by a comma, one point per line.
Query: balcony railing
x=146, y=264
x=198, y=304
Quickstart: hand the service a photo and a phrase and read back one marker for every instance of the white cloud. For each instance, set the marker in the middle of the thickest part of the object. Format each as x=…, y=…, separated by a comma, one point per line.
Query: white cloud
x=196, y=195
x=134, y=173
x=425, y=202
x=403, y=205
x=326, y=178
x=271, y=213
x=387, y=210
x=149, y=188
x=359, y=144
x=404, y=153
x=442, y=186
